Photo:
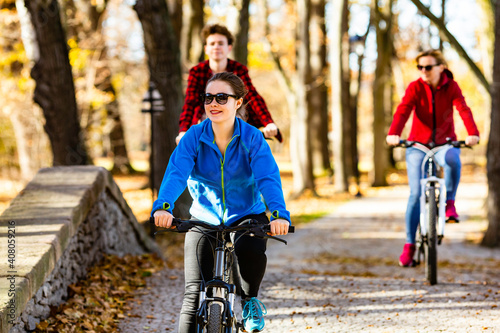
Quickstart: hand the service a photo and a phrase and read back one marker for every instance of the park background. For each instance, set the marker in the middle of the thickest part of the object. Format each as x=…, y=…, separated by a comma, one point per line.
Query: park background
x=331, y=73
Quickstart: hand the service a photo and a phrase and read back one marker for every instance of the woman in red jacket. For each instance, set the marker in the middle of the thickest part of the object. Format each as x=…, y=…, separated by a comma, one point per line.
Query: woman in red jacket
x=432, y=99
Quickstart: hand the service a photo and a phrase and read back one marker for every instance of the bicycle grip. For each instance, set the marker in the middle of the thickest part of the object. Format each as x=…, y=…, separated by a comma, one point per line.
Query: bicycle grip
x=291, y=228
x=175, y=222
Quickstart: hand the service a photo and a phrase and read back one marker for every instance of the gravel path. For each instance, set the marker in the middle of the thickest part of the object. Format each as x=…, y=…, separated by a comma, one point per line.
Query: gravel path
x=340, y=274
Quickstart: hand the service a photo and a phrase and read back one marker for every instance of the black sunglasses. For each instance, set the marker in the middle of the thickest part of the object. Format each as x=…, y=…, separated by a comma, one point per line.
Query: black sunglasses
x=220, y=98
x=427, y=68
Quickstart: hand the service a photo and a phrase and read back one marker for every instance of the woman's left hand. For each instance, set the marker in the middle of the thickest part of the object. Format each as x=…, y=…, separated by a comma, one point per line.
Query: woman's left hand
x=472, y=140
x=279, y=227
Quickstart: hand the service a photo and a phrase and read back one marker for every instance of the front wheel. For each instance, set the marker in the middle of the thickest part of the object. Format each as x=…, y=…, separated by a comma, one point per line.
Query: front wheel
x=431, y=262
x=420, y=247
x=214, y=324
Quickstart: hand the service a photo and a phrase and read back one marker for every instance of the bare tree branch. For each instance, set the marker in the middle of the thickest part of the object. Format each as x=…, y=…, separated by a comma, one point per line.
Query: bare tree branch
x=276, y=59
x=454, y=43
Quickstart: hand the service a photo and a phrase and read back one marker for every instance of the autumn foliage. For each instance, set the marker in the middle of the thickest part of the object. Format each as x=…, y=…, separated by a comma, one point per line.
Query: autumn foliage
x=97, y=303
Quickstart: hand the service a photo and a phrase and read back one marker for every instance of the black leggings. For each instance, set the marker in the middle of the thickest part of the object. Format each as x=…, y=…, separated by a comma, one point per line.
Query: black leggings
x=198, y=250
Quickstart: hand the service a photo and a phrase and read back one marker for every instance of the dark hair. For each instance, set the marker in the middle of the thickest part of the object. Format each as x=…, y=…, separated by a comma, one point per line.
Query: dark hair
x=216, y=29
x=238, y=87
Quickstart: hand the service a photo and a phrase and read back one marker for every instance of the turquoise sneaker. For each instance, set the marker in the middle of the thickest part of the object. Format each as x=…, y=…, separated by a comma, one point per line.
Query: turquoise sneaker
x=253, y=315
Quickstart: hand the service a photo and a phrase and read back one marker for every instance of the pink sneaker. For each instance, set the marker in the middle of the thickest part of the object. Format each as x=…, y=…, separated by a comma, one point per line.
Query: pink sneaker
x=451, y=212
x=406, y=257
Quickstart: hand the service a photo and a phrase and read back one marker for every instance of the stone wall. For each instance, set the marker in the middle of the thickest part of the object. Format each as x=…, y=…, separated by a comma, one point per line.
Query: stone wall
x=60, y=225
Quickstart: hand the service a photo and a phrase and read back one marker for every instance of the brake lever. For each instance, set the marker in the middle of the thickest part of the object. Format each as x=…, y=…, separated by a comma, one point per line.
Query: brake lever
x=276, y=238
x=181, y=227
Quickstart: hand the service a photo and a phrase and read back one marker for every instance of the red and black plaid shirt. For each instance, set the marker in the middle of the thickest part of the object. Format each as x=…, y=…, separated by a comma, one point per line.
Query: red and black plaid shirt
x=193, y=108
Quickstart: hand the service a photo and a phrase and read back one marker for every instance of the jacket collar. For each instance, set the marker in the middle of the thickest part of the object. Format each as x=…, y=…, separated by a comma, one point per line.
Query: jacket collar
x=207, y=135
x=444, y=80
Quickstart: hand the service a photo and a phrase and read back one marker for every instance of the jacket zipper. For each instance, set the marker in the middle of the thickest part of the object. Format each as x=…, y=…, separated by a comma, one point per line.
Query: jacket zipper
x=222, y=161
x=433, y=118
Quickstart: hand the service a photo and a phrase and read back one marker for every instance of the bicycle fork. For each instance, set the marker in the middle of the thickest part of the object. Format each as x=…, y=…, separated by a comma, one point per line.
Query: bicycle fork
x=222, y=293
x=429, y=184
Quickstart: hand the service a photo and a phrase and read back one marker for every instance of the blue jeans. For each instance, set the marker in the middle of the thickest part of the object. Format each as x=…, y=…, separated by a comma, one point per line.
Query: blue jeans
x=450, y=160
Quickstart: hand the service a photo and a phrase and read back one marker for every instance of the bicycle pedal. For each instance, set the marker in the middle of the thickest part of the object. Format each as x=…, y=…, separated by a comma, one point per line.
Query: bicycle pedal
x=239, y=326
x=452, y=220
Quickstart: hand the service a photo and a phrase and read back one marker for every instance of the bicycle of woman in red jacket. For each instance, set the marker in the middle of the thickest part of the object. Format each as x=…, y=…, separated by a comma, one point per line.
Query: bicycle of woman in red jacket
x=430, y=230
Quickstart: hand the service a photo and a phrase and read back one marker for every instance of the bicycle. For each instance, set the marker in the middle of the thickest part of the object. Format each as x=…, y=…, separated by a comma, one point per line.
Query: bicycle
x=430, y=230
x=215, y=312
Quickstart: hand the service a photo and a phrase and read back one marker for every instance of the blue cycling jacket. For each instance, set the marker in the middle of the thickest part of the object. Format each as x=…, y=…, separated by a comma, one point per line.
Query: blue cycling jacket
x=224, y=188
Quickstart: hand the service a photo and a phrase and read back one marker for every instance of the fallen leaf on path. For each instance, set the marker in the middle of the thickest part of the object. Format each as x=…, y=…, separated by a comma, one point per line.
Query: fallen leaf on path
x=97, y=303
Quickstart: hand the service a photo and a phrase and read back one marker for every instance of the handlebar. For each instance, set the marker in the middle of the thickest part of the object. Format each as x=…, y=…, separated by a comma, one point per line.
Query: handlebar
x=456, y=144
x=253, y=228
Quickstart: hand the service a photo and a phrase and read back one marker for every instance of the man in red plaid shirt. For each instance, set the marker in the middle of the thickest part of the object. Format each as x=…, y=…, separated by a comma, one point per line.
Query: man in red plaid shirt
x=218, y=43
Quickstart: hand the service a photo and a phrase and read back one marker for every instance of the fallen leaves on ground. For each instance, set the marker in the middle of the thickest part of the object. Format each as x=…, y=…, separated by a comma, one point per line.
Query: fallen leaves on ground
x=97, y=303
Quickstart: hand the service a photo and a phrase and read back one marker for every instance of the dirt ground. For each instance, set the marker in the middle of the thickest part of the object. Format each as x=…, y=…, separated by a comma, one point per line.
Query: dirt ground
x=339, y=273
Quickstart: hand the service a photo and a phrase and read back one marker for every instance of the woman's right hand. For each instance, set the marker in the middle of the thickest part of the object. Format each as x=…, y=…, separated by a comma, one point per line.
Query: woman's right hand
x=392, y=140
x=163, y=219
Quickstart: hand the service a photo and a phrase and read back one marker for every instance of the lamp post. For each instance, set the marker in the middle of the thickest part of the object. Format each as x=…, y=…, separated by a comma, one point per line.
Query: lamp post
x=152, y=103
x=357, y=46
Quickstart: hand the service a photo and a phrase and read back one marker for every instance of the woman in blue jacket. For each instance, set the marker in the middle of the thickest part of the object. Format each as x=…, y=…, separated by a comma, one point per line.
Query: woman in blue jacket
x=226, y=165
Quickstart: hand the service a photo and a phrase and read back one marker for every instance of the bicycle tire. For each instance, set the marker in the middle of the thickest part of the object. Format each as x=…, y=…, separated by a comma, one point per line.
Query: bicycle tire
x=431, y=255
x=214, y=324
x=420, y=247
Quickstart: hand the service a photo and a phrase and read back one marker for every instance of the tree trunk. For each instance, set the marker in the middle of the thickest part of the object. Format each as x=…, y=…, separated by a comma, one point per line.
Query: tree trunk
x=338, y=96
x=318, y=93
x=345, y=93
x=20, y=132
x=281, y=74
x=87, y=31
x=191, y=41
x=443, y=21
x=21, y=114
x=55, y=91
x=241, y=43
x=121, y=161
x=354, y=108
x=164, y=66
x=492, y=235
x=300, y=152
x=382, y=91
x=486, y=33
x=175, y=8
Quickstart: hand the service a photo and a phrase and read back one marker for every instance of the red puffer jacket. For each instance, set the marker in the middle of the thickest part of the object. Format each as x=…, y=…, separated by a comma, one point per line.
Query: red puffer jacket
x=433, y=109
